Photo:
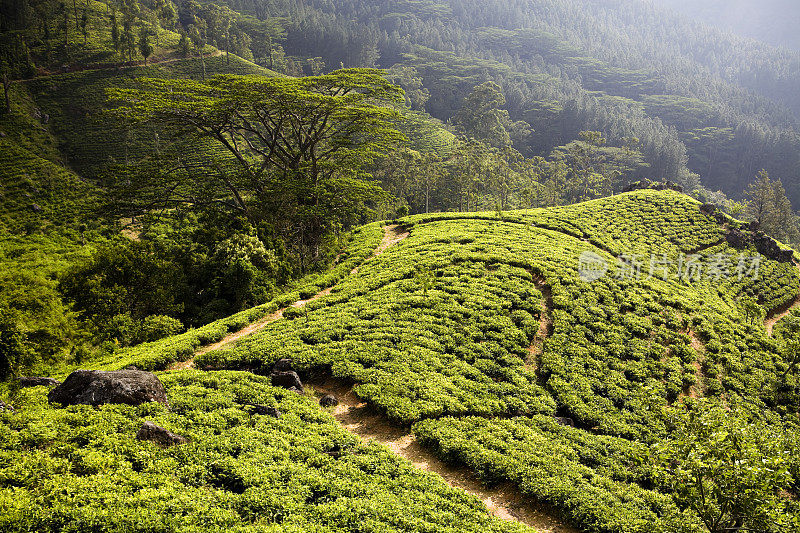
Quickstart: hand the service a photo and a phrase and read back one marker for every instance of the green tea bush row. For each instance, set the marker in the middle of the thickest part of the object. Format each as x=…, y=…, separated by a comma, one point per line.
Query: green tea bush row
x=594, y=480
x=80, y=468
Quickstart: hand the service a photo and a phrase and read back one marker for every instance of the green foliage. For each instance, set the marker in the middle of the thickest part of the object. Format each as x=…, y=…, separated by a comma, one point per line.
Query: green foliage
x=240, y=471
x=482, y=116
x=296, y=152
x=126, y=331
x=133, y=277
x=36, y=328
x=728, y=467
x=160, y=354
x=771, y=209
x=594, y=480
x=456, y=362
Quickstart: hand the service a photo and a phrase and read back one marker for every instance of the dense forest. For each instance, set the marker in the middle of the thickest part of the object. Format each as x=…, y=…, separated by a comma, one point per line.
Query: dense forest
x=771, y=21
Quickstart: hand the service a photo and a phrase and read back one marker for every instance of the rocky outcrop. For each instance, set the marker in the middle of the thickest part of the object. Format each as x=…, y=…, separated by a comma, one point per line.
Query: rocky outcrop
x=748, y=236
x=153, y=433
x=329, y=400
x=283, y=375
x=287, y=380
x=265, y=410
x=714, y=212
x=283, y=365
x=764, y=244
x=35, y=381
x=96, y=387
x=739, y=239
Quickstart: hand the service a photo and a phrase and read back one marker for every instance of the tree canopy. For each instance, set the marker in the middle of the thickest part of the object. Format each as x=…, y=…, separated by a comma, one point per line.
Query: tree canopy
x=296, y=148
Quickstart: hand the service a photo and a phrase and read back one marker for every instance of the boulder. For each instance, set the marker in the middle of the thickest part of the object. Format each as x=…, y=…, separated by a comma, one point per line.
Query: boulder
x=283, y=365
x=329, y=400
x=266, y=411
x=96, y=387
x=786, y=256
x=286, y=380
x=708, y=209
x=30, y=381
x=565, y=421
x=738, y=239
x=159, y=435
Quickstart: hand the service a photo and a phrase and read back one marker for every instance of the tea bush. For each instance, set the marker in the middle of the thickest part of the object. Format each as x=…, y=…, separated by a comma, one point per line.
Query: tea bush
x=81, y=469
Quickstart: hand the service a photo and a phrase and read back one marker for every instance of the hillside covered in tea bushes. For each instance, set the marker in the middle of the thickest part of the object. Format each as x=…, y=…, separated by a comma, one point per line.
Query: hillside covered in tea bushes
x=396, y=265
x=481, y=336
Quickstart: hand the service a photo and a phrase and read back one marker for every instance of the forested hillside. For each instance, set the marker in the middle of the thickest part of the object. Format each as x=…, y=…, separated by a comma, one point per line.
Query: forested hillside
x=771, y=21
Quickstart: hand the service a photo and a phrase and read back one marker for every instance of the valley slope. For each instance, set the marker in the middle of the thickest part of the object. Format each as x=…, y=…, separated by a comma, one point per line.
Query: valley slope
x=481, y=334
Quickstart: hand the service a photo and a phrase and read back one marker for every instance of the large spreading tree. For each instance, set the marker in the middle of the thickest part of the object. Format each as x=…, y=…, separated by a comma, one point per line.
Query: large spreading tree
x=291, y=152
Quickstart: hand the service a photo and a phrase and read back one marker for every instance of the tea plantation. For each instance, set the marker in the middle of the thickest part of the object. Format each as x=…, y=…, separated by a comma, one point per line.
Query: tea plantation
x=482, y=334
x=80, y=469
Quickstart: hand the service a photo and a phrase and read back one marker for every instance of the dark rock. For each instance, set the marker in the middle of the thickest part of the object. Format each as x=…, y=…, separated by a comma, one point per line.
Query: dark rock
x=769, y=248
x=738, y=239
x=565, y=421
x=720, y=217
x=283, y=365
x=266, y=411
x=96, y=387
x=36, y=208
x=329, y=400
x=286, y=380
x=336, y=451
x=4, y=407
x=159, y=435
x=45, y=118
x=753, y=226
x=675, y=187
x=708, y=209
x=26, y=381
x=636, y=185
x=295, y=389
